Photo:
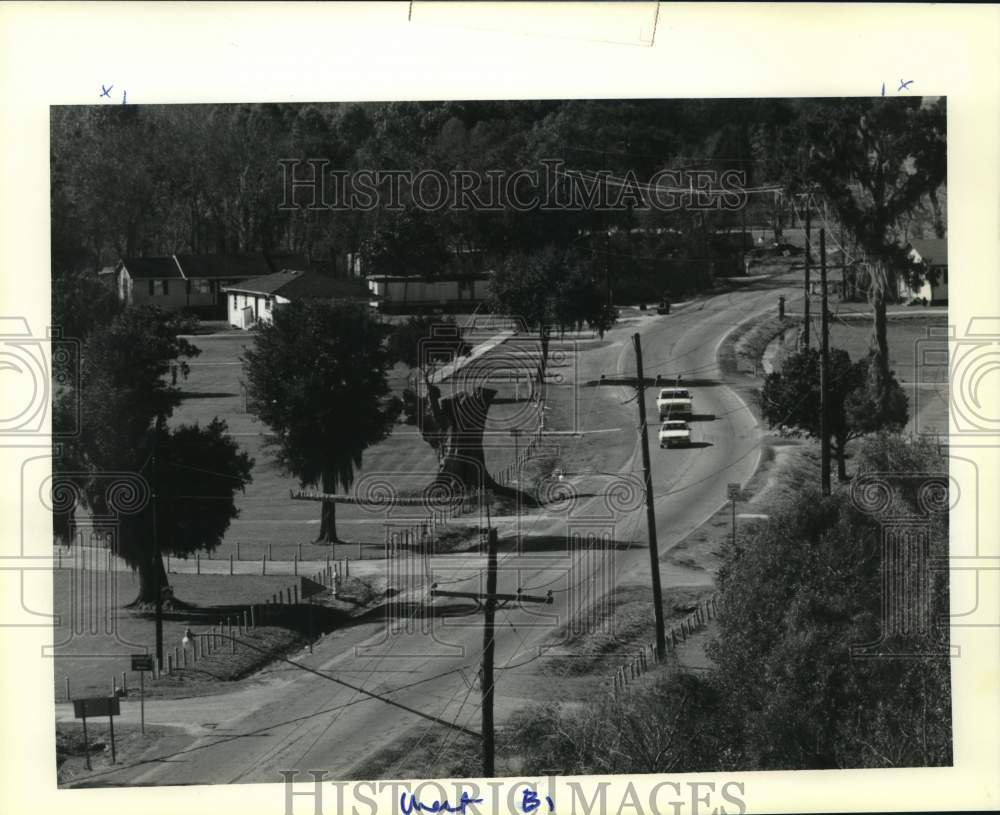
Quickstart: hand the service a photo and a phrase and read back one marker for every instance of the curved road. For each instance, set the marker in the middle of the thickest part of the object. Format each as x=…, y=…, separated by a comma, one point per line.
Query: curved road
x=294, y=720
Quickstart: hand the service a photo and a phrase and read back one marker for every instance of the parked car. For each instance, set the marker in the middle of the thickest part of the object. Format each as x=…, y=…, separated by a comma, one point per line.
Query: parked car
x=675, y=433
x=674, y=402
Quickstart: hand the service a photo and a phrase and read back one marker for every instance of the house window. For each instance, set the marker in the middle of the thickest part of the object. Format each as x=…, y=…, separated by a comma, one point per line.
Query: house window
x=203, y=286
x=267, y=304
x=158, y=288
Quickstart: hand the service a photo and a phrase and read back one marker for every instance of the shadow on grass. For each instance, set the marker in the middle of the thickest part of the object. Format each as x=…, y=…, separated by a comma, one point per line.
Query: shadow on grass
x=559, y=543
x=207, y=395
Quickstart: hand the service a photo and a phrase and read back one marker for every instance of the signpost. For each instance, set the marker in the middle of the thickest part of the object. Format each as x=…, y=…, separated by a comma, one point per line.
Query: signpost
x=142, y=663
x=734, y=494
x=97, y=706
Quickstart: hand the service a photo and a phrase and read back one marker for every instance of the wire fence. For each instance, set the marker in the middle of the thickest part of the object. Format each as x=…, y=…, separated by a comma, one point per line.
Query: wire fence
x=645, y=659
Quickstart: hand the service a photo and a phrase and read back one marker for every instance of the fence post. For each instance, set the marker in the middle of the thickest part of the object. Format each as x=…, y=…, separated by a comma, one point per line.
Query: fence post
x=295, y=590
x=237, y=550
x=253, y=616
x=68, y=697
x=263, y=565
x=124, y=684
x=230, y=565
x=246, y=618
x=197, y=561
x=300, y=551
x=347, y=566
x=295, y=564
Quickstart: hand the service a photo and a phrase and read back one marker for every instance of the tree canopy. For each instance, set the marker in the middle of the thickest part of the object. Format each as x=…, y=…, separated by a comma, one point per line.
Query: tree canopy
x=120, y=404
x=316, y=376
x=790, y=400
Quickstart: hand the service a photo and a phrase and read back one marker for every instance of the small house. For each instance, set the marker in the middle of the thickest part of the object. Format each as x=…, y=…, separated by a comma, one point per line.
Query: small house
x=930, y=281
x=254, y=301
x=191, y=283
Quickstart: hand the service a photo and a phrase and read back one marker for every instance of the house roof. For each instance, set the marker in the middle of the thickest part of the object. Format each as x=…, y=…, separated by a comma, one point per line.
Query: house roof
x=932, y=251
x=448, y=278
x=164, y=268
x=295, y=284
x=211, y=267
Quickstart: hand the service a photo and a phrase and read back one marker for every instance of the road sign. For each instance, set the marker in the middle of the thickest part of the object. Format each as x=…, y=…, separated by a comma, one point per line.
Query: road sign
x=733, y=492
x=96, y=706
x=142, y=662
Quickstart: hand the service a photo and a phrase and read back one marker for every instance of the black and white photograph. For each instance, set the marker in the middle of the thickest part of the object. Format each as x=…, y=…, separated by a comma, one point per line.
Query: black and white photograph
x=431, y=417
x=473, y=438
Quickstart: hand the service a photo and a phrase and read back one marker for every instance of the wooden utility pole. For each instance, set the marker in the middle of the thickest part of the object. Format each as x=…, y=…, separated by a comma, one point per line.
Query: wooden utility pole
x=807, y=267
x=158, y=564
x=490, y=602
x=654, y=556
x=489, y=647
x=824, y=364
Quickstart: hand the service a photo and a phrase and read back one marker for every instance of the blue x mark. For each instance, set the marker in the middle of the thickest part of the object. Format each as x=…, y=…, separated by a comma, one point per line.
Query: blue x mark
x=904, y=86
x=106, y=91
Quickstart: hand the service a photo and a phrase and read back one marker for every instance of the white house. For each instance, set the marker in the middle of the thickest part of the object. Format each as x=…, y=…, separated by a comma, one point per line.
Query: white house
x=413, y=293
x=932, y=255
x=190, y=282
x=254, y=301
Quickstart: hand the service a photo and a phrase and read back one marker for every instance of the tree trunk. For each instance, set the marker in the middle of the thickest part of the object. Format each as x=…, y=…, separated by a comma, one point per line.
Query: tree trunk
x=840, y=453
x=152, y=579
x=328, y=513
x=463, y=463
x=544, y=335
x=939, y=227
x=880, y=338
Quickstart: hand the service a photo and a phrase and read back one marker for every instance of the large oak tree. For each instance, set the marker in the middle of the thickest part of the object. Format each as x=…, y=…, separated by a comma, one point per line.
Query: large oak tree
x=316, y=375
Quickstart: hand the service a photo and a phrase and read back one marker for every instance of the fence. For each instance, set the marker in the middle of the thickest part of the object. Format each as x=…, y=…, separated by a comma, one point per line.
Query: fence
x=678, y=633
x=222, y=637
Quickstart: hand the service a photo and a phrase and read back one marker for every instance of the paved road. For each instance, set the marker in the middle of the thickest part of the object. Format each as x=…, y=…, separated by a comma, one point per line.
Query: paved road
x=295, y=720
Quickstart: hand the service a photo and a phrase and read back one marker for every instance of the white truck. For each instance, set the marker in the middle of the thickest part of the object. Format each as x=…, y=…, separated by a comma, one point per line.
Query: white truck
x=674, y=402
x=675, y=433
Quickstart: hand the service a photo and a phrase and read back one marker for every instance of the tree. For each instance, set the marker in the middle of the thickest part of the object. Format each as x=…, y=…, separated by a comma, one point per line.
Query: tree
x=790, y=401
x=198, y=471
x=406, y=243
x=121, y=403
x=875, y=160
x=798, y=590
x=452, y=426
x=549, y=290
x=316, y=376
x=80, y=303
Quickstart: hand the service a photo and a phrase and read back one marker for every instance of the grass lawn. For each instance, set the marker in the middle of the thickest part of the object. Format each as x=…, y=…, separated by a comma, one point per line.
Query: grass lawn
x=95, y=634
x=269, y=516
x=912, y=342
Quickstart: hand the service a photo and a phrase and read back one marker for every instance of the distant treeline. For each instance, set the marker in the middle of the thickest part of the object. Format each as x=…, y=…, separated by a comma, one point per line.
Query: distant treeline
x=132, y=180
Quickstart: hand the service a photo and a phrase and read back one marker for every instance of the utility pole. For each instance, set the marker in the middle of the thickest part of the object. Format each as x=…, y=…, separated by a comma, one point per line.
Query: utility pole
x=654, y=557
x=158, y=558
x=490, y=602
x=808, y=263
x=489, y=647
x=824, y=364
